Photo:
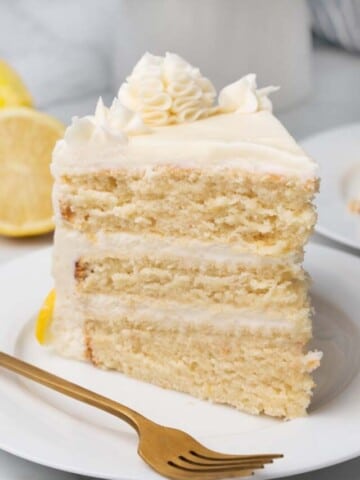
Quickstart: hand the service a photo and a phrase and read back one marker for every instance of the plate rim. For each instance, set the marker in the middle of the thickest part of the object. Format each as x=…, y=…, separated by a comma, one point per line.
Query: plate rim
x=343, y=241
x=322, y=230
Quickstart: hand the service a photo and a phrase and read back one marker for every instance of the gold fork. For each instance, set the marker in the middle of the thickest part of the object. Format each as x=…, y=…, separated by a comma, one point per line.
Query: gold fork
x=170, y=452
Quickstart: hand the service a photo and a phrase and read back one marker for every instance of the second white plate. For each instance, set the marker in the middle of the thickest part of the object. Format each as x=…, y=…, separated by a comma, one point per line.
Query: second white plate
x=50, y=429
x=337, y=152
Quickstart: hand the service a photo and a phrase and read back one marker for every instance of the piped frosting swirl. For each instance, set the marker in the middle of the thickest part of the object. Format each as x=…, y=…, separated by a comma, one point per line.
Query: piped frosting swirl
x=243, y=96
x=112, y=125
x=166, y=90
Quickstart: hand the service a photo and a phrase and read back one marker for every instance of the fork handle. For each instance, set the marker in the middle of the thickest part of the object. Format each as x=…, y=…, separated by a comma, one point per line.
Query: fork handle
x=72, y=390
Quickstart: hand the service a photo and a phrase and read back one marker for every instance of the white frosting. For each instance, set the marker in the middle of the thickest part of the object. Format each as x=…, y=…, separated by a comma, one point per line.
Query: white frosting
x=120, y=118
x=255, y=142
x=76, y=243
x=87, y=131
x=167, y=90
x=107, y=126
x=169, y=94
x=244, y=97
x=181, y=313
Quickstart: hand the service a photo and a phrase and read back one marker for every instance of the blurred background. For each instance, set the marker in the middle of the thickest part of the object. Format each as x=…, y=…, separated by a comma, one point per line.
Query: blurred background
x=69, y=52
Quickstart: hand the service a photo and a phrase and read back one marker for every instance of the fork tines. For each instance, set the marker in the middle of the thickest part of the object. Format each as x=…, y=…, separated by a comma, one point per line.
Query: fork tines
x=215, y=466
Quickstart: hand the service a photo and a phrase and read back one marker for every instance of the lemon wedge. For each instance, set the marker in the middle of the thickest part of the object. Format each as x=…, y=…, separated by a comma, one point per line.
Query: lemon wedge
x=27, y=138
x=44, y=318
x=12, y=90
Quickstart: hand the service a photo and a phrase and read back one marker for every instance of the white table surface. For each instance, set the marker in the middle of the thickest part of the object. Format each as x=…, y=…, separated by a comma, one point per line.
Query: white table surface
x=332, y=103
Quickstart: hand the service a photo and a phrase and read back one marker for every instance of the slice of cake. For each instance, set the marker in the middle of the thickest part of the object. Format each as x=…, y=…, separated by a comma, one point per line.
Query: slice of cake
x=180, y=228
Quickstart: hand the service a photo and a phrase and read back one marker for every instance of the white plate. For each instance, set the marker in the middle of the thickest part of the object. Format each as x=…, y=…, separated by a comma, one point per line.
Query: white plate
x=47, y=428
x=337, y=152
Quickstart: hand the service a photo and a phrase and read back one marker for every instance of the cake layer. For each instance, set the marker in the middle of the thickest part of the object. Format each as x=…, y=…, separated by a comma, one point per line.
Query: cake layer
x=167, y=278
x=263, y=214
x=253, y=372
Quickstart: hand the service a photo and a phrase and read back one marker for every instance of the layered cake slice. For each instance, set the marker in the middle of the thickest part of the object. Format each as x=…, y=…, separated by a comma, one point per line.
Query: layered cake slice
x=180, y=227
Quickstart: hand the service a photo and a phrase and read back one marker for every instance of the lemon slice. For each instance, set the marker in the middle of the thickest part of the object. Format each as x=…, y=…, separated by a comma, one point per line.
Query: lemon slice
x=27, y=138
x=44, y=318
x=12, y=90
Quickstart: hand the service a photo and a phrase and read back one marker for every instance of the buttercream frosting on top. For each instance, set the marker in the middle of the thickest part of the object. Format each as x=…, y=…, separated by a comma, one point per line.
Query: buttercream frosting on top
x=255, y=142
x=166, y=90
x=165, y=114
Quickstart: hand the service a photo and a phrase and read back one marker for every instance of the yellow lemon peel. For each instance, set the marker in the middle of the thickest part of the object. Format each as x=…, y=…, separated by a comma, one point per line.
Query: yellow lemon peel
x=44, y=318
x=13, y=92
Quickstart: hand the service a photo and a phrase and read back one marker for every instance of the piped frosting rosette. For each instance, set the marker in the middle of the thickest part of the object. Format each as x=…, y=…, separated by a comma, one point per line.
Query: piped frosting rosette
x=166, y=90
x=111, y=125
x=243, y=96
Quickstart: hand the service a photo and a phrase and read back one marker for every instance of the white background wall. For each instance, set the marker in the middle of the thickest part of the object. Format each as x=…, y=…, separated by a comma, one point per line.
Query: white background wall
x=62, y=49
